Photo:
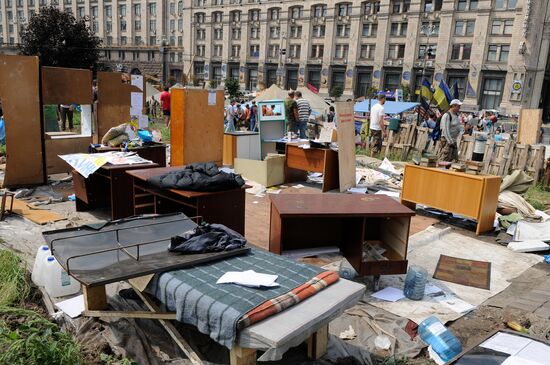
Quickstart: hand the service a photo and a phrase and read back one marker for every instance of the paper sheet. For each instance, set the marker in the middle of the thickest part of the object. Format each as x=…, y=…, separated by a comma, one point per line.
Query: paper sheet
x=389, y=294
x=536, y=352
x=137, y=80
x=72, y=307
x=432, y=289
x=248, y=278
x=136, y=104
x=212, y=98
x=393, y=194
x=506, y=343
x=358, y=190
x=143, y=121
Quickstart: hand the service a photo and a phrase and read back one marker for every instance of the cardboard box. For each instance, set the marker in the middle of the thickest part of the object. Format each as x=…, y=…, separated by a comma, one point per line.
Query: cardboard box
x=268, y=172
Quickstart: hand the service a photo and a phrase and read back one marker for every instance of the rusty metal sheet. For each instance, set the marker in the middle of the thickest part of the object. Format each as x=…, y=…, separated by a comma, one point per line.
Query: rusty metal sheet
x=66, y=86
x=19, y=92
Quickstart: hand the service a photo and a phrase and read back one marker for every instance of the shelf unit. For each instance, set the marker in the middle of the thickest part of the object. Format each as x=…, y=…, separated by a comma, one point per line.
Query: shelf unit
x=270, y=127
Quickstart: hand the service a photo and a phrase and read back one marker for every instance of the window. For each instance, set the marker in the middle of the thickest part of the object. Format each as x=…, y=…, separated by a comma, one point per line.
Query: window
x=398, y=29
x=152, y=9
x=274, y=32
x=461, y=51
x=218, y=33
x=180, y=41
x=371, y=7
x=137, y=9
x=341, y=51
x=491, y=93
x=180, y=57
x=427, y=51
x=460, y=81
x=172, y=41
x=432, y=5
x=217, y=2
x=394, y=29
x=400, y=6
x=151, y=56
x=236, y=33
x=152, y=25
x=367, y=51
x=217, y=17
x=430, y=27
x=32, y=3
x=254, y=15
x=235, y=16
x=173, y=8
x=508, y=27
x=135, y=56
x=137, y=25
x=108, y=11
x=338, y=79
x=199, y=18
x=362, y=84
x=319, y=11
x=201, y=33
x=342, y=30
x=254, y=50
x=200, y=50
x=396, y=51
x=180, y=25
x=217, y=50
x=252, y=79
x=466, y=51
x=317, y=50
x=95, y=27
x=505, y=4
x=296, y=31
x=392, y=81
x=200, y=2
x=122, y=10
x=492, y=52
x=152, y=41
x=369, y=30
x=495, y=27
x=499, y=27
x=180, y=7
x=498, y=53
x=273, y=51
x=137, y=40
x=273, y=13
x=470, y=26
x=343, y=9
x=81, y=12
x=109, y=26
x=504, y=52
x=94, y=11
x=121, y=55
x=318, y=31
x=296, y=12
x=235, y=50
x=463, y=5
x=464, y=27
x=255, y=33
x=295, y=50
x=123, y=40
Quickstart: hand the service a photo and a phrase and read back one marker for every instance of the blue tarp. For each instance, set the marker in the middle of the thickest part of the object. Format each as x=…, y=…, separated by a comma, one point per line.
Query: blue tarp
x=390, y=107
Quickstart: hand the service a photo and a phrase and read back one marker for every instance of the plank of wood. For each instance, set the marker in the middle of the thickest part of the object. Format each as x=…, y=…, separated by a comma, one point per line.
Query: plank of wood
x=36, y=215
x=317, y=343
x=346, y=145
x=95, y=298
x=530, y=121
x=240, y=356
x=129, y=314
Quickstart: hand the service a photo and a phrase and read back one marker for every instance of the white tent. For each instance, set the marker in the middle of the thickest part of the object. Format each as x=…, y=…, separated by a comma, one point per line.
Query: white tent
x=273, y=92
x=317, y=103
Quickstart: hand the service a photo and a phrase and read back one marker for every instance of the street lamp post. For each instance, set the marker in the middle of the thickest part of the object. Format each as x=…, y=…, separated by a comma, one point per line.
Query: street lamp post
x=163, y=52
x=427, y=29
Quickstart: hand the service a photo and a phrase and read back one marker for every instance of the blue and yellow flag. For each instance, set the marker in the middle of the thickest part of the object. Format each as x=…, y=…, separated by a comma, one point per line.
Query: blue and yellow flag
x=442, y=96
x=426, y=90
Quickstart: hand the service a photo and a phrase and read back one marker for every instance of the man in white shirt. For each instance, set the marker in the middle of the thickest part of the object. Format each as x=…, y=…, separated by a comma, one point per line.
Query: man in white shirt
x=376, y=125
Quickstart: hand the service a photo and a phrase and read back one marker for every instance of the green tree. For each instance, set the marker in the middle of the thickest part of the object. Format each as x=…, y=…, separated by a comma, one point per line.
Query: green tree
x=233, y=88
x=60, y=40
x=336, y=92
x=213, y=84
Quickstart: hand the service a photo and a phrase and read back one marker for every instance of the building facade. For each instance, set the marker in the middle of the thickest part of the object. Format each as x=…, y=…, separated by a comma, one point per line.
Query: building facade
x=495, y=50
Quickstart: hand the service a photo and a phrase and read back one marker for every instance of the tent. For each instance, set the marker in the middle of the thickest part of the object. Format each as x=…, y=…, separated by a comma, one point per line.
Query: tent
x=317, y=103
x=273, y=92
x=390, y=107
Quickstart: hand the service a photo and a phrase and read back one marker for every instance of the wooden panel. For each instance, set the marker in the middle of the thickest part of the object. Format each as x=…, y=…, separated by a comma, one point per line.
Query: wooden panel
x=95, y=298
x=196, y=128
x=66, y=86
x=449, y=191
x=488, y=207
x=275, y=231
x=394, y=232
x=530, y=121
x=346, y=145
x=79, y=186
x=229, y=149
x=19, y=92
x=312, y=159
x=62, y=146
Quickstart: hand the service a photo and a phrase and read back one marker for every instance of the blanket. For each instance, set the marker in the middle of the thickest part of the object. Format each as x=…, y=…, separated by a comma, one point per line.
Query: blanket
x=197, y=177
x=207, y=238
x=215, y=309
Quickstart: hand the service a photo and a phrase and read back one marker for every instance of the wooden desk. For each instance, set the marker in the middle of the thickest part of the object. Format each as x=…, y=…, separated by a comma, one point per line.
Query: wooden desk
x=225, y=207
x=299, y=161
x=155, y=152
x=473, y=196
x=345, y=220
x=240, y=144
x=109, y=186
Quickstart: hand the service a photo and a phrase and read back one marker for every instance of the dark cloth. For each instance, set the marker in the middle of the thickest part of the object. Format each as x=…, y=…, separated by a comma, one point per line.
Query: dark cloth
x=166, y=112
x=197, y=177
x=448, y=152
x=207, y=238
x=376, y=141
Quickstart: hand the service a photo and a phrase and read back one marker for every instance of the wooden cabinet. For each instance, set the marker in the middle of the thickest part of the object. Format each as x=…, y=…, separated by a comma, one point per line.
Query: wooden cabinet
x=305, y=221
x=473, y=196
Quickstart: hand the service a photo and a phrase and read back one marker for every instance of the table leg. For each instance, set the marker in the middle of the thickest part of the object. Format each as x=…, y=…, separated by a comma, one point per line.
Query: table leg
x=95, y=298
x=410, y=205
x=240, y=356
x=317, y=343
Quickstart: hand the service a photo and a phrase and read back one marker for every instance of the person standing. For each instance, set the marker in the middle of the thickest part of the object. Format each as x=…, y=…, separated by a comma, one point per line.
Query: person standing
x=450, y=131
x=66, y=112
x=304, y=110
x=230, y=117
x=376, y=126
x=291, y=112
x=331, y=115
x=253, y=118
x=165, y=104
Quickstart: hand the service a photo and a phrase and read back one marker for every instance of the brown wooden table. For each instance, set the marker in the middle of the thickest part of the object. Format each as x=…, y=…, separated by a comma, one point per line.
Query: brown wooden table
x=301, y=160
x=155, y=152
x=109, y=186
x=224, y=207
x=305, y=221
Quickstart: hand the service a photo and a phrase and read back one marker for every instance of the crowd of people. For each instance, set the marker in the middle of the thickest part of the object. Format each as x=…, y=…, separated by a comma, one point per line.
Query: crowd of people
x=238, y=117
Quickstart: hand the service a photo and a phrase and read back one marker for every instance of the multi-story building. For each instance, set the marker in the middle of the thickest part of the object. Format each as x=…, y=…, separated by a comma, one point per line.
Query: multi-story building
x=498, y=47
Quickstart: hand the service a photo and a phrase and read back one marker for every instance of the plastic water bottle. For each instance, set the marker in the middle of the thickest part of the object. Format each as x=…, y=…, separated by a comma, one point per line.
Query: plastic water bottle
x=415, y=283
x=443, y=341
x=56, y=280
x=39, y=263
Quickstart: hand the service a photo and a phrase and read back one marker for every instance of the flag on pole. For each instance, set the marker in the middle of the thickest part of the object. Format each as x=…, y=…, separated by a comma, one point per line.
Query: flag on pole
x=426, y=90
x=442, y=96
x=470, y=92
x=456, y=92
x=423, y=109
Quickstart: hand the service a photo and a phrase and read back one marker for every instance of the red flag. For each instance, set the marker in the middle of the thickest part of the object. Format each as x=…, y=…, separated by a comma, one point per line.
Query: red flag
x=312, y=88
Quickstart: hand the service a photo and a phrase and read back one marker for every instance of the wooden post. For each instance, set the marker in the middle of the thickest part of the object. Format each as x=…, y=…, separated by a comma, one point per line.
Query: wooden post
x=240, y=356
x=95, y=298
x=317, y=343
x=388, y=144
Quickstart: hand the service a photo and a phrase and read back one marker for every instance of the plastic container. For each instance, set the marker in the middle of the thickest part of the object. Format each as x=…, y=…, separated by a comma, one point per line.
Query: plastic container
x=415, y=283
x=443, y=341
x=37, y=275
x=394, y=124
x=56, y=280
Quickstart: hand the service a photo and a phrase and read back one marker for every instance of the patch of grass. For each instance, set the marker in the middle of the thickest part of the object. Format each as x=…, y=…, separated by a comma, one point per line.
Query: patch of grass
x=14, y=284
x=163, y=129
x=112, y=360
x=2, y=149
x=538, y=197
x=26, y=338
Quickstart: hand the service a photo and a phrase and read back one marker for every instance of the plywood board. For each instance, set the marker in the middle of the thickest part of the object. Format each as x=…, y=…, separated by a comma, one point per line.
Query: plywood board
x=346, y=145
x=269, y=172
x=530, y=121
x=19, y=92
x=36, y=215
x=66, y=86
x=196, y=127
x=63, y=146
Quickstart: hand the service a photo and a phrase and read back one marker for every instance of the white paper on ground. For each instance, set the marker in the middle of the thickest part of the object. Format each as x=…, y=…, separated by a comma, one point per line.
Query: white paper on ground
x=299, y=186
x=393, y=194
x=432, y=289
x=72, y=307
x=315, y=174
x=532, y=231
x=528, y=246
x=273, y=191
x=536, y=352
x=506, y=343
x=388, y=166
x=358, y=177
x=455, y=304
x=358, y=190
x=516, y=360
x=389, y=294
x=543, y=215
x=434, y=356
x=248, y=278
x=227, y=170
x=512, y=229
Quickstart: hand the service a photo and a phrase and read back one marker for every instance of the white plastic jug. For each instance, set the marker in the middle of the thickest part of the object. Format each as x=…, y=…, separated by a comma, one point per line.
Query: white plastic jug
x=39, y=263
x=56, y=280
